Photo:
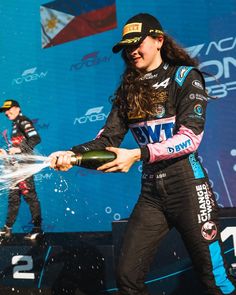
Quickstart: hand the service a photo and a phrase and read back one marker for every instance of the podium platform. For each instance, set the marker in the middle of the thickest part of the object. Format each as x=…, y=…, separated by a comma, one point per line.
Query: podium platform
x=57, y=263
x=84, y=263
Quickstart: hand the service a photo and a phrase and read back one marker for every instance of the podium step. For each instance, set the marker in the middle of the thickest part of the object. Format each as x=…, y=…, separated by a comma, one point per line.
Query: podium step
x=58, y=263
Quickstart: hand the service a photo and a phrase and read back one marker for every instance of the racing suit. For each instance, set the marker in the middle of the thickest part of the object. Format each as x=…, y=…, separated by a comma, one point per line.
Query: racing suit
x=25, y=137
x=175, y=187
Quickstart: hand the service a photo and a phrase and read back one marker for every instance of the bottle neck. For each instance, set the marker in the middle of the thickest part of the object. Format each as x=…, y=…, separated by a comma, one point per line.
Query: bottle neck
x=76, y=160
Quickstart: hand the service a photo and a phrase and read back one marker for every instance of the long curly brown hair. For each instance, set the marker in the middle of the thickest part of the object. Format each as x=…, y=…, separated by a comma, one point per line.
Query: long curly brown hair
x=134, y=95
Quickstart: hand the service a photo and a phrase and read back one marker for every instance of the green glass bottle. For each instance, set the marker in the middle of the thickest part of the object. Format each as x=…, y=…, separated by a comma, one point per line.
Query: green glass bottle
x=92, y=159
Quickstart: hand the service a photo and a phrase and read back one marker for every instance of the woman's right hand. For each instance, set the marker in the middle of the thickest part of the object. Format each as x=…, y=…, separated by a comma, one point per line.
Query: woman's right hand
x=61, y=160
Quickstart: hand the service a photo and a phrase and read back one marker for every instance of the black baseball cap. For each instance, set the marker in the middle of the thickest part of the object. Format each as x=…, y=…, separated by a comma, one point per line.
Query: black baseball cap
x=9, y=104
x=137, y=28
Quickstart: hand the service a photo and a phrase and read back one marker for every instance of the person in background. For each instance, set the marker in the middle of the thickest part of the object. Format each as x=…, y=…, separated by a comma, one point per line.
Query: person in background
x=23, y=140
x=162, y=99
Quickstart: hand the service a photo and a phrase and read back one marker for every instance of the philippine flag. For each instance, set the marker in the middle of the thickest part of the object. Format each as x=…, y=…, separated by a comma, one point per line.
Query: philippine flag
x=66, y=20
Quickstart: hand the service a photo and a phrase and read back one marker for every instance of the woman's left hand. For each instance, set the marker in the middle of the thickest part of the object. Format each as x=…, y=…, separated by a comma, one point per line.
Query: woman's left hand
x=125, y=158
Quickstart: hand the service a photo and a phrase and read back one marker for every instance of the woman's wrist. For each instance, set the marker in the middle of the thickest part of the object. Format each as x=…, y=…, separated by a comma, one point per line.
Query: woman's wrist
x=136, y=154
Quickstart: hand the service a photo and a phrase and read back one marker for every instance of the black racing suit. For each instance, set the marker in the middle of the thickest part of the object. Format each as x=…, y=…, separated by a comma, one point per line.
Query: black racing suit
x=25, y=137
x=175, y=187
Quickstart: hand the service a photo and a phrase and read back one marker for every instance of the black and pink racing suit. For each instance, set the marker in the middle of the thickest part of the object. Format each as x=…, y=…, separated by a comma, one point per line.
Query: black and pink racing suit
x=175, y=188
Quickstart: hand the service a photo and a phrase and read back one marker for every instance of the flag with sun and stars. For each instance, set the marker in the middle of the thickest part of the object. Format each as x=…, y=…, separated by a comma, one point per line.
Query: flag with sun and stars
x=66, y=20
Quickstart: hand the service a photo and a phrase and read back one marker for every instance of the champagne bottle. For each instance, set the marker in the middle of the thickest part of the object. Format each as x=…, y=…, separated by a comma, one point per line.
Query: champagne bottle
x=92, y=159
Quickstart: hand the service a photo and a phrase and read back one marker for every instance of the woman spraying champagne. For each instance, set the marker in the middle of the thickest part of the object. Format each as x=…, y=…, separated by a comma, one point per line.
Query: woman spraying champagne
x=94, y=159
x=154, y=101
